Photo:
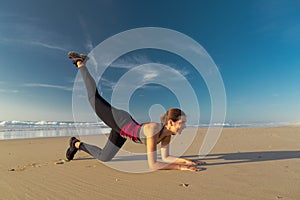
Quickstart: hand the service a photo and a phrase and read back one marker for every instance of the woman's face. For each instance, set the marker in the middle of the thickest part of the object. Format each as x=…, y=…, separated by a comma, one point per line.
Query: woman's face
x=178, y=126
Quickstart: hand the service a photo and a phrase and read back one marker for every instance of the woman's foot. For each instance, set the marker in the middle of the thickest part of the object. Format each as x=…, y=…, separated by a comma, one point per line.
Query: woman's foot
x=78, y=59
x=72, y=150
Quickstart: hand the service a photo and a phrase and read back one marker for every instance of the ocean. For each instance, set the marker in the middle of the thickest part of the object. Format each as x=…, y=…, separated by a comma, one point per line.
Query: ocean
x=37, y=129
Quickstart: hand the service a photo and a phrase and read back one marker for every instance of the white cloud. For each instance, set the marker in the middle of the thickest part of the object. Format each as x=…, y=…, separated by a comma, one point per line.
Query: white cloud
x=147, y=74
x=129, y=62
x=9, y=91
x=107, y=82
x=167, y=72
x=143, y=74
x=133, y=61
x=32, y=42
x=89, y=44
x=150, y=76
x=46, y=45
x=48, y=86
x=26, y=31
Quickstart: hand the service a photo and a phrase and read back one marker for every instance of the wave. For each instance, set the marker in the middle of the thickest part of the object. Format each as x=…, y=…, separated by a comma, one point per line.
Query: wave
x=61, y=124
x=35, y=129
x=248, y=125
x=47, y=124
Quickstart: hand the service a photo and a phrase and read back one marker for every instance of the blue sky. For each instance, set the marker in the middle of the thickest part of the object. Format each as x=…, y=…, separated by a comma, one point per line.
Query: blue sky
x=255, y=44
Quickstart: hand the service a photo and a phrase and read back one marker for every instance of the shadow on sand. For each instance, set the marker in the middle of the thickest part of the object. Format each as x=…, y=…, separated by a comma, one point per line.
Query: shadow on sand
x=246, y=157
x=223, y=159
x=120, y=158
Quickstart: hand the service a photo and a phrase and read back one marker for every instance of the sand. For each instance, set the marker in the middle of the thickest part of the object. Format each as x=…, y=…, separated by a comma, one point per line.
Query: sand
x=246, y=163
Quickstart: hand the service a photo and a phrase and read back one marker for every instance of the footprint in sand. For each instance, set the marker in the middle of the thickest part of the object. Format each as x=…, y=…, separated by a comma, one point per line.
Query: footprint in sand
x=184, y=185
x=19, y=169
x=60, y=162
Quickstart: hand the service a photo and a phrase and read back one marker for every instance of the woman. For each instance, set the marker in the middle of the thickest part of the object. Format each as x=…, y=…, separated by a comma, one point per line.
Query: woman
x=124, y=126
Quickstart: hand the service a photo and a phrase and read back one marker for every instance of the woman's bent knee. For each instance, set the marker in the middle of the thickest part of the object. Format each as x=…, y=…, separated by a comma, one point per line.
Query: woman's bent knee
x=105, y=159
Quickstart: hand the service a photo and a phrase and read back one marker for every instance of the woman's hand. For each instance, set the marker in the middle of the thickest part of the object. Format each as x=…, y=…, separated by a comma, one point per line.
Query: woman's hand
x=192, y=168
x=191, y=162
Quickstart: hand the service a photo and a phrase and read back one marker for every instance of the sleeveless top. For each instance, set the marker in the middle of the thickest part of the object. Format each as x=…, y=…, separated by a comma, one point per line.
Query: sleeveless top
x=135, y=132
x=132, y=131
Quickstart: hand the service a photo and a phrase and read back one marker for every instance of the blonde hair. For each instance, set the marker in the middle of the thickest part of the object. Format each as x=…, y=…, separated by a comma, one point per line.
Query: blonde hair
x=173, y=114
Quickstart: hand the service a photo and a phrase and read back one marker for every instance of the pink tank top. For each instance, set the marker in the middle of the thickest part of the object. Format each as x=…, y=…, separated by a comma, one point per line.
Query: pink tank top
x=131, y=130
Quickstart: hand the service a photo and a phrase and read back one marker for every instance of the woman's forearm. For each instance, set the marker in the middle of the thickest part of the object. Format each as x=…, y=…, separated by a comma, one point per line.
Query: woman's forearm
x=165, y=166
x=173, y=166
x=172, y=159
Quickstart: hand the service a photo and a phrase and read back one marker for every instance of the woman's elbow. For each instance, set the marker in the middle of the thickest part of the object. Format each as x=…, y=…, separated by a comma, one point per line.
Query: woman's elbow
x=154, y=166
x=164, y=158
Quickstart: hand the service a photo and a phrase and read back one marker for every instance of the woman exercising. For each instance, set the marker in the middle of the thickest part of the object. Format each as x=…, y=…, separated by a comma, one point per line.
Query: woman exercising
x=123, y=126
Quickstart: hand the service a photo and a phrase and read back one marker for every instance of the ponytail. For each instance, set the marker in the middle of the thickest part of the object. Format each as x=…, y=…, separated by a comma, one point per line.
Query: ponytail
x=173, y=114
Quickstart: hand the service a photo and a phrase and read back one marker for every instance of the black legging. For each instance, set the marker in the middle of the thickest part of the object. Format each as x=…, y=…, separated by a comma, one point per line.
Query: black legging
x=112, y=117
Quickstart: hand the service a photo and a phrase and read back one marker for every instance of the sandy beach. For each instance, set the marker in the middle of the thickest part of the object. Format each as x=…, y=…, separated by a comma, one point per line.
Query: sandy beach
x=246, y=163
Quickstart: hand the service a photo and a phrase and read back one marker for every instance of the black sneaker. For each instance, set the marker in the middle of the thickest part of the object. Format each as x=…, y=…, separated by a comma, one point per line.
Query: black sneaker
x=72, y=150
x=77, y=57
